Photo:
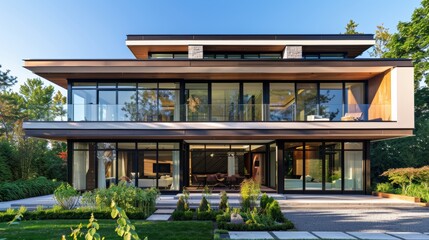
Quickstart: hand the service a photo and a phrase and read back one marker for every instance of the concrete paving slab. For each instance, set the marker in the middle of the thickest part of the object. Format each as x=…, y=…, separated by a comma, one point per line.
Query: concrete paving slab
x=158, y=217
x=410, y=235
x=372, y=236
x=333, y=235
x=294, y=235
x=250, y=235
x=164, y=211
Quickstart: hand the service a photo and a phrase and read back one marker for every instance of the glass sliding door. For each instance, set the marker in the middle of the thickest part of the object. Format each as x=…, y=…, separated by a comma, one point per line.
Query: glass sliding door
x=294, y=160
x=127, y=163
x=106, y=157
x=331, y=101
x=353, y=166
x=282, y=102
x=306, y=101
x=252, y=102
x=313, y=166
x=83, y=174
x=197, y=99
x=225, y=101
x=333, y=167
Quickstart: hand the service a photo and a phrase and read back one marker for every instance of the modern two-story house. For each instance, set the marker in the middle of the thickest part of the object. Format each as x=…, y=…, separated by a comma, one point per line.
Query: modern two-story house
x=295, y=112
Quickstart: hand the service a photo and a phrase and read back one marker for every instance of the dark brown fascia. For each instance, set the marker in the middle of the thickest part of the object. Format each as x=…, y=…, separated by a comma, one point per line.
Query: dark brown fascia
x=250, y=37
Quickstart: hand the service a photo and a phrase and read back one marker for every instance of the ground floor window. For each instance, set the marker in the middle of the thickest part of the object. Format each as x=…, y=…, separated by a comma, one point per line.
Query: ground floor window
x=142, y=164
x=227, y=165
x=324, y=166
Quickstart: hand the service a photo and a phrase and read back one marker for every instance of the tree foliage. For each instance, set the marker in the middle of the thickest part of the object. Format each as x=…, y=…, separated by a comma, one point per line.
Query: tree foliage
x=6, y=80
x=382, y=37
x=412, y=41
x=351, y=27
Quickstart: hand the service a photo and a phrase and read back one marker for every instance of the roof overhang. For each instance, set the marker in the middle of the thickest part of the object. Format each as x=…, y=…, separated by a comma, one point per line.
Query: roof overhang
x=59, y=71
x=352, y=45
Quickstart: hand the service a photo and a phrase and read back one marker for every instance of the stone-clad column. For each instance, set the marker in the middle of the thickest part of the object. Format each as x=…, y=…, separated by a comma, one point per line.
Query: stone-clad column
x=292, y=52
x=195, y=52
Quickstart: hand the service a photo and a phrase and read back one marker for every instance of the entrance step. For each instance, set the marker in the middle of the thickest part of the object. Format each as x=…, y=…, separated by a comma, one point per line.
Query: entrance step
x=166, y=202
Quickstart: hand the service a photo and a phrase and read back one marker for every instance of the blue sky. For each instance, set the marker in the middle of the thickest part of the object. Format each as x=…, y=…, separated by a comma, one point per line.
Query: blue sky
x=97, y=29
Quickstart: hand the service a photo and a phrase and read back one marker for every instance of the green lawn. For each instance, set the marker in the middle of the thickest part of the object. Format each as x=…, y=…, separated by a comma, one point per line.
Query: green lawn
x=54, y=229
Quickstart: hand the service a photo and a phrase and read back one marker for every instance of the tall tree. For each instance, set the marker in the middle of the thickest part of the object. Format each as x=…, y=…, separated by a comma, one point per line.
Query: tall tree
x=10, y=113
x=382, y=37
x=6, y=80
x=37, y=100
x=412, y=41
x=351, y=27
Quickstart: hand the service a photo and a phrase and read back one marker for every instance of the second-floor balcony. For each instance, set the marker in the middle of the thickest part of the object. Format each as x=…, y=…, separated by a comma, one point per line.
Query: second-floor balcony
x=194, y=112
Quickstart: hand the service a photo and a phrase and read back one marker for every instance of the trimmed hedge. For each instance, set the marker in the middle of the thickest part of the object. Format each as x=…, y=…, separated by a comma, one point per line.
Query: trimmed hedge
x=27, y=188
x=68, y=214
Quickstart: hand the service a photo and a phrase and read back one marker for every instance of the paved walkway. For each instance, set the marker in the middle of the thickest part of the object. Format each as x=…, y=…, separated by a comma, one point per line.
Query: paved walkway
x=354, y=213
x=330, y=235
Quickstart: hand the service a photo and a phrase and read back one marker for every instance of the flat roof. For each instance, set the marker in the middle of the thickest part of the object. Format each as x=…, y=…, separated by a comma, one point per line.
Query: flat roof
x=250, y=37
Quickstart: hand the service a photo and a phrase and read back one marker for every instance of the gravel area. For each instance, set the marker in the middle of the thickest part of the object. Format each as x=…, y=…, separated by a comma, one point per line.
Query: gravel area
x=381, y=219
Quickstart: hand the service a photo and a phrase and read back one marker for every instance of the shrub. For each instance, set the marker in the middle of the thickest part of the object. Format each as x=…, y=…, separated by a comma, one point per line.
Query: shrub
x=181, y=204
x=27, y=188
x=255, y=227
x=418, y=190
x=386, y=188
x=223, y=204
x=274, y=212
x=207, y=215
x=88, y=200
x=204, y=205
x=265, y=201
x=249, y=192
x=66, y=196
x=129, y=198
x=182, y=215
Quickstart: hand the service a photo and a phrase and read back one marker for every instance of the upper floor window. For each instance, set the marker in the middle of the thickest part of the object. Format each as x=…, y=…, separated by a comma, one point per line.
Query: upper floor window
x=324, y=55
x=181, y=55
x=238, y=55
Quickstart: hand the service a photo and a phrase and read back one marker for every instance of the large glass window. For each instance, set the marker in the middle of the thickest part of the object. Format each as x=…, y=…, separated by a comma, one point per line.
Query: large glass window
x=319, y=166
x=282, y=101
x=127, y=105
x=306, y=101
x=151, y=164
x=84, y=105
x=252, y=101
x=225, y=99
x=197, y=98
x=331, y=101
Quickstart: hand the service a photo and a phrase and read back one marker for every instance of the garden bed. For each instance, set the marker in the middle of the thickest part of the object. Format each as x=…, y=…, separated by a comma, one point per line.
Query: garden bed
x=396, y=196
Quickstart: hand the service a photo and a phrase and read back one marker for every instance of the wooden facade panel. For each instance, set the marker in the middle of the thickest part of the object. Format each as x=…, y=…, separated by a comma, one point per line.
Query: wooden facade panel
x=379, y=96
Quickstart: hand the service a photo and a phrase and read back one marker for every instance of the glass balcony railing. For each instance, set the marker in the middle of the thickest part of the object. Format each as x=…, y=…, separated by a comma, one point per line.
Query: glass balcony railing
x=294, y=112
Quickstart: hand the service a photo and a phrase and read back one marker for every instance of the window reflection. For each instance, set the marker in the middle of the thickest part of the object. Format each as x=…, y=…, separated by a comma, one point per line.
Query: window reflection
x=282, y=101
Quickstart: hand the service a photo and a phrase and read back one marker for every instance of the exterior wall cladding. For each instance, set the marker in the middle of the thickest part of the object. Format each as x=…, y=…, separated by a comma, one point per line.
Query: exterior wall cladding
x=295, y=112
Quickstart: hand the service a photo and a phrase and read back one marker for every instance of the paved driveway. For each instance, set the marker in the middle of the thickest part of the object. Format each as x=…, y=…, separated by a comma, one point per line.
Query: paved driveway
x=374, y=219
